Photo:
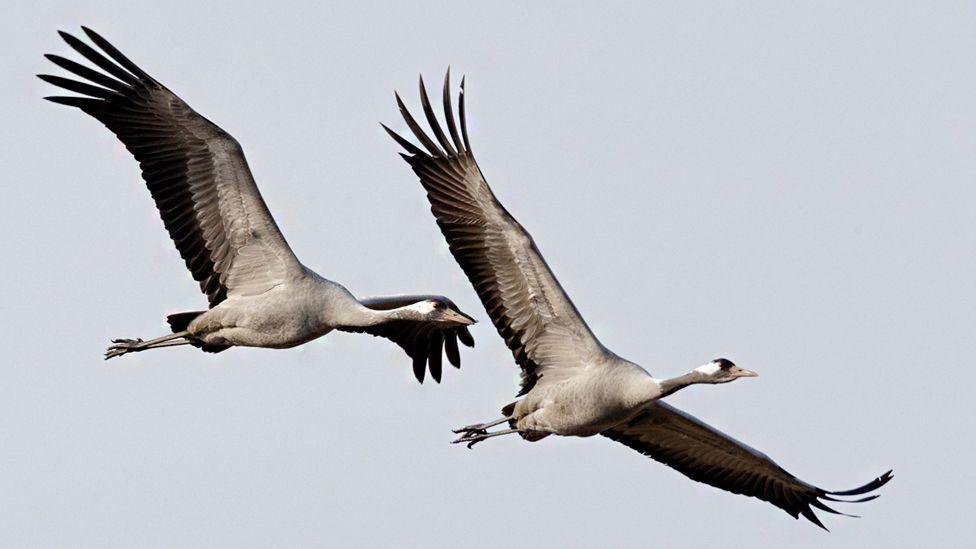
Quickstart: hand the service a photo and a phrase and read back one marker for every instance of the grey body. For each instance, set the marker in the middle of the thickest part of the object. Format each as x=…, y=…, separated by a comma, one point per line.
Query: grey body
x=303, y=307
x=260, y=294
x=571, y=384
x=602, y=393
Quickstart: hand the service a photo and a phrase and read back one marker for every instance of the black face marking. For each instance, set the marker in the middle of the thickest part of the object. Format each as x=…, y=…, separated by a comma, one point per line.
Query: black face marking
x=724, y=363
x=440, y=305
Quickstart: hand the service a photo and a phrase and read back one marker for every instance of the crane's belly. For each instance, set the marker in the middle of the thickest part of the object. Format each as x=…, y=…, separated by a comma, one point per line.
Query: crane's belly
x=271, y=337
x=272, y=321
x=574, y=411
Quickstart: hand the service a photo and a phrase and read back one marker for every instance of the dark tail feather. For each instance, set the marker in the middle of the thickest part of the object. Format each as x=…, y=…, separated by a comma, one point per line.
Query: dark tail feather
x=211, y=348
x=180, y=321
x=509, y=409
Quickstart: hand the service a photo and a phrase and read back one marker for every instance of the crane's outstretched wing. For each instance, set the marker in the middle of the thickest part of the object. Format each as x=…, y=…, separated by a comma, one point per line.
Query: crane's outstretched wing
x=529, y=308
x=704, y=454
x=195, y=171
x=423, y=341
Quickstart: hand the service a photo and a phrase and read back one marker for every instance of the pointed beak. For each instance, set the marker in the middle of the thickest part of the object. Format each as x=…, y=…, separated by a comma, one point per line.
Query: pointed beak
x=458, y=317
x=746, y=373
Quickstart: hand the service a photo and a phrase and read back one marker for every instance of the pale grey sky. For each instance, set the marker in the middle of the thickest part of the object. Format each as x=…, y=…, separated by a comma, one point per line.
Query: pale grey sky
x=788, y=185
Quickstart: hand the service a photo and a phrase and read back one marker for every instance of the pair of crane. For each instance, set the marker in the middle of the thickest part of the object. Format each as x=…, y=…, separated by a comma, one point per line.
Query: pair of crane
x=261, y=295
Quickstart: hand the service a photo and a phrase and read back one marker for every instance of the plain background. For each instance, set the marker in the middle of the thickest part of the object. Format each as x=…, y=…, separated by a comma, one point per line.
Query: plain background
x=788, y=185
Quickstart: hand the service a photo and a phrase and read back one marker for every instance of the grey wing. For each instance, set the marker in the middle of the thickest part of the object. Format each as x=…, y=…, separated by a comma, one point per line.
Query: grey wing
x=423, y=341
x=529, y=308
x=704, y=454
x=195, y=171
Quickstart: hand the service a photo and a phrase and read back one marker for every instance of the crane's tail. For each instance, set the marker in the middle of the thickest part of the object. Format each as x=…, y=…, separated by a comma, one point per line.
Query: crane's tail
x=179, y=322
x=509, y=411
x=531, y=436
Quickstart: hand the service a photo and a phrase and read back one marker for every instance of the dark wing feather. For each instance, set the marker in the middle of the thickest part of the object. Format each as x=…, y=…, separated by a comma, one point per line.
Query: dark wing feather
x=529, y=308
x=704, y=454
x=195, y=171
x=423, y=341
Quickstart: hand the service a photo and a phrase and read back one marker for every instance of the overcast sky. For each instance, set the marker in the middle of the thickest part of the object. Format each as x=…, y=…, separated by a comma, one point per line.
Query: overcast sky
x=790, y=186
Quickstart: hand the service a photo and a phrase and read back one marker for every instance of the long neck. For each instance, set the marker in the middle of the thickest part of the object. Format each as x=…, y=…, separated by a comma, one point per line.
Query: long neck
x=362, y=316
x=646, y=389
x=673, y=384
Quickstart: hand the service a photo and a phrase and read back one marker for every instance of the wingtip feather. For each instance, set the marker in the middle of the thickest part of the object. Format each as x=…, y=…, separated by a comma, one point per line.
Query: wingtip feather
x=449, y=112
x=808, y=513
x=418, y=132
x=410, y=147
x=869, y=487
x=465, y=336
x=451, y=350
x=432, y=120
x=420, y=367
x=464, y=118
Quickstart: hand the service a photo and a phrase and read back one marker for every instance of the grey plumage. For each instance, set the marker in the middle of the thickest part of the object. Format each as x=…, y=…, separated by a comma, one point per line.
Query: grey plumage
x=571, y=384
x=259, y=293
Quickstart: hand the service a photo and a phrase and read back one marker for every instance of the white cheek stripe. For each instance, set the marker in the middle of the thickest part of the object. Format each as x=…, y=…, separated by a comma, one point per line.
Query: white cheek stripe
x=709, y=369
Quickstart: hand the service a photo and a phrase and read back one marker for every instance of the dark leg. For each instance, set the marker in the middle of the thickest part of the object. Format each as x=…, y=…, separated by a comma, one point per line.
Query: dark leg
x=473, y=438
x=123, y=346
x=479, y=426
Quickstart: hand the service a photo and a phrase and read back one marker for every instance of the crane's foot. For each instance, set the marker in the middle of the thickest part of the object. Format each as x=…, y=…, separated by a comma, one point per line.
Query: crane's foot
x=471, y=438
x=475, y=436
x=474, y=428
x=123, y=346
x=481, y=427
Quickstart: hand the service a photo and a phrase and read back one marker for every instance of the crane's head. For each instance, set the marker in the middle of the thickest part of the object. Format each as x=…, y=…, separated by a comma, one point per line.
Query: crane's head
x=443, y=311
x=722, y=370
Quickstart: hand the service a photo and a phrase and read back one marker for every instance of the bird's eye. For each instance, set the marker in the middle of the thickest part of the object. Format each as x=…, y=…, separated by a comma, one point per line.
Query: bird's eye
x=439, y=305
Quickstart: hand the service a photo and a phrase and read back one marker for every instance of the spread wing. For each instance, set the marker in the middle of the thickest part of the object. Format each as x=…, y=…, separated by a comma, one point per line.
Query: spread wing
x=529, y=308
x=423, y=341
x=707, y=455
x=195, y=171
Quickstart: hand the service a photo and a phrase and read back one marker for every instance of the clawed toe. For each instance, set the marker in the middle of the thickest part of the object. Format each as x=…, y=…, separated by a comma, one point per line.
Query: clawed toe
x=476, y=428
x=473, y=434
x=112, y=353
x=123, y=346
x=471, y=438
x=476, y=434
